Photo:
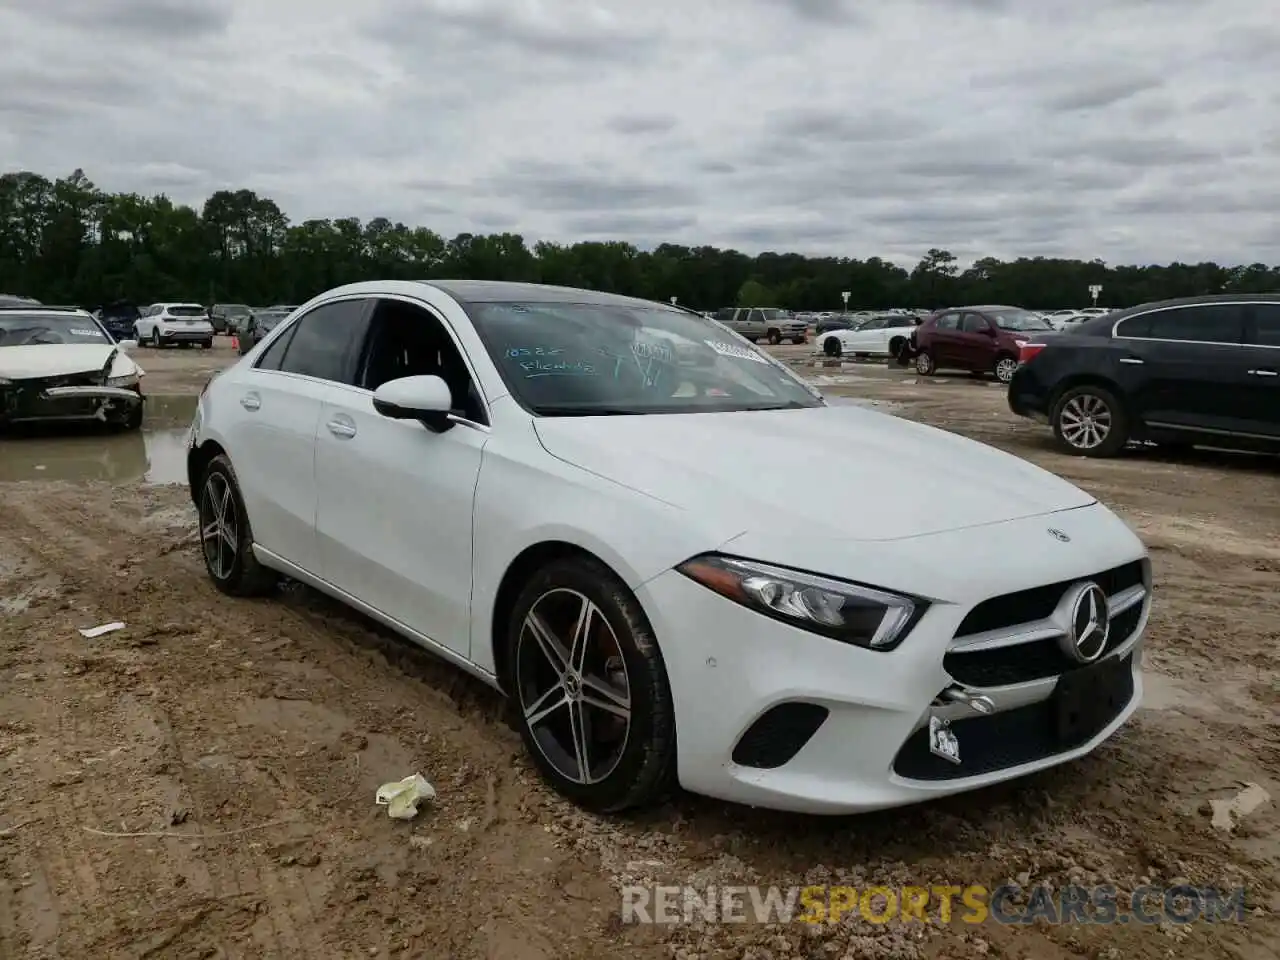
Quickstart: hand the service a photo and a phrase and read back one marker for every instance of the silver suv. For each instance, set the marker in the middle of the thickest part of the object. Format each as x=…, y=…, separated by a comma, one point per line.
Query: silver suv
x=765, y=323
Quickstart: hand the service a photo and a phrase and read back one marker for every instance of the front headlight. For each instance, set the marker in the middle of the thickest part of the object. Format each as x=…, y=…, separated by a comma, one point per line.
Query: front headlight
x=128, y=380
x=849, y=612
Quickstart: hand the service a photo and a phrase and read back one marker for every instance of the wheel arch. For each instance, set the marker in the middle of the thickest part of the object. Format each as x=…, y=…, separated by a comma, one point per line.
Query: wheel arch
x=519, y=572
x=197, y=459
x=1086, y=380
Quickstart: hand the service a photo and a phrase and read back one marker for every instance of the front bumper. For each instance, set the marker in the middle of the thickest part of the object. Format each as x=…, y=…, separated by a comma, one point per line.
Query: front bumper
x=729, y=667
x=19, y=404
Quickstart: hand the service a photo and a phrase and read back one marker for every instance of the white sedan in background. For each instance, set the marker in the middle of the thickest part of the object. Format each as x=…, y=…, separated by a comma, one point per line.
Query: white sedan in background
x=878, y=336
x=588, y=502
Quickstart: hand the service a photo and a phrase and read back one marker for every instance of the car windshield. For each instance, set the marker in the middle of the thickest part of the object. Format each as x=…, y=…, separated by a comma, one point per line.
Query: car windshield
x=575, y=359
x=1018, y=320
x=28, y=329
x=186, y=310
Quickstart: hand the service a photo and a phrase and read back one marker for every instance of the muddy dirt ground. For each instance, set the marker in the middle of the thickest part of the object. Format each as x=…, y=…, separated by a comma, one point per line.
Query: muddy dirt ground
x=201, y=783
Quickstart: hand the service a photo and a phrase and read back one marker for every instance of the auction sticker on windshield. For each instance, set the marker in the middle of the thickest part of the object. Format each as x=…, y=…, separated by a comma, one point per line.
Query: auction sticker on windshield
x=730, y=350
x=82, y=332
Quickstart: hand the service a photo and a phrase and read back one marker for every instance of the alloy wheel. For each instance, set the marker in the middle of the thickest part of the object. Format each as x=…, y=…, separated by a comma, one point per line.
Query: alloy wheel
x=219, y=527
x=1085, y=421
x=924, y=364
x=572, y=684
x=1005, y=368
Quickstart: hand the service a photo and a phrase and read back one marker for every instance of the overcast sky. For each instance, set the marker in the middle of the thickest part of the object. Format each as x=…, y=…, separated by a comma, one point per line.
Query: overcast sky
x=1131, y=130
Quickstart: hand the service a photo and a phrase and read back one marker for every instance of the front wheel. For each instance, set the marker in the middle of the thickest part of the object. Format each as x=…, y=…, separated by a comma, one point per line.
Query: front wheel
x=155, y=338
x=1005, y=367
x=924, y=364
x=590, y=687
x=831, y=347
x=226, y=539
x=207, y=344
x=1090, y=421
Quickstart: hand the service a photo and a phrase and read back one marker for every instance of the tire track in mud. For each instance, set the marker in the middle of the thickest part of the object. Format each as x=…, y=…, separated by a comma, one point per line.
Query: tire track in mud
x=382, y=683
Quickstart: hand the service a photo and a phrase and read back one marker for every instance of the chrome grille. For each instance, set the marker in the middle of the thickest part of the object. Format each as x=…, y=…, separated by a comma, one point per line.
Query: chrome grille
x=1015, y=638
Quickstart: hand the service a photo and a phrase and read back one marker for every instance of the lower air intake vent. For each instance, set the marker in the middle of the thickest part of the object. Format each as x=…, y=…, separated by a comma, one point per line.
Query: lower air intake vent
x=778, y=734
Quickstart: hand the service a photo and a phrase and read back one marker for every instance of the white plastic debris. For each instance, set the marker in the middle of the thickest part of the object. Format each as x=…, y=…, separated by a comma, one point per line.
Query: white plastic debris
x=1228, y=813
x=92, y=632
x=401, y=797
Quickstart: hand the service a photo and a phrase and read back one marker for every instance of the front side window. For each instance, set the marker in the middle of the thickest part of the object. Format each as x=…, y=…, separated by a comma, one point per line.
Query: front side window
x=320, y=344
x=33, y=329
x=974, y=323
x=567, y=359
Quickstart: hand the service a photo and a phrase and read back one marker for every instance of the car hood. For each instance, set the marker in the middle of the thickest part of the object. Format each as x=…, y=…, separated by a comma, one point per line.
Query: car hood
x=55, y=359
x=850, y=472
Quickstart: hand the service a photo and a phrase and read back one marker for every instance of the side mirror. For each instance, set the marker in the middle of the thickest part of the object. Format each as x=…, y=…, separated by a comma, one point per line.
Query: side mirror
x=416, y=398
x=128, y=346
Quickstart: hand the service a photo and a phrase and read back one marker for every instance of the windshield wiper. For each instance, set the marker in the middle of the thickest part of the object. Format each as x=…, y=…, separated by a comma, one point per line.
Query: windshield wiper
x=585, y=411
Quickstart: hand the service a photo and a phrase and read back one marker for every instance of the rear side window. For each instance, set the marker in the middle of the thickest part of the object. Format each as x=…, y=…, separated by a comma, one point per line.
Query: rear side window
x=320, y=345
x=1204, y=323
x=1266, y=325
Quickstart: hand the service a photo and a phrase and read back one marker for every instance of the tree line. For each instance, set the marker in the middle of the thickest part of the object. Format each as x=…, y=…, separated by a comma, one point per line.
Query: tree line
x=66, y=241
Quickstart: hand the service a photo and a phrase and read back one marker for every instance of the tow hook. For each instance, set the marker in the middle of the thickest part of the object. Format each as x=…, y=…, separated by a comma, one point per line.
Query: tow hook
x=974, y=701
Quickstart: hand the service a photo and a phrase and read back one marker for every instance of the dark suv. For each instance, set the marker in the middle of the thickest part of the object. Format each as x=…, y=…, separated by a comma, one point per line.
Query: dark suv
x=1179, y=372
x=978, y=339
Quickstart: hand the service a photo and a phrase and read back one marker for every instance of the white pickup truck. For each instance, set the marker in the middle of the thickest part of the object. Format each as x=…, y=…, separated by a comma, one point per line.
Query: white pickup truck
x=765, y=323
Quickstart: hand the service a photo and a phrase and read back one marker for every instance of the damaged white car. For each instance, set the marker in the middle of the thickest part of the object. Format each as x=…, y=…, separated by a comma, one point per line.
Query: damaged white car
x=60, y=364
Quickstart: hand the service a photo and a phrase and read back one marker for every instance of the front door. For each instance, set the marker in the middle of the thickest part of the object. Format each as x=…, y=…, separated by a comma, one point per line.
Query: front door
x=395, y=499
x=976, y=342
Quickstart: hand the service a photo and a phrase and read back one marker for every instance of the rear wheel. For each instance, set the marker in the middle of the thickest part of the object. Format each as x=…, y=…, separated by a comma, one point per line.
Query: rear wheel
x=924, y=364
x=590, y=687
x=226, y=539
x=1090, y=421
x=1005, y=366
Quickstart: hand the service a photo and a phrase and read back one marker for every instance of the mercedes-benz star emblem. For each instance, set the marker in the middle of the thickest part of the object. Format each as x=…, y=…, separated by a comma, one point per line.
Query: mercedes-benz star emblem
x=1059, y=535
x=1089, y=624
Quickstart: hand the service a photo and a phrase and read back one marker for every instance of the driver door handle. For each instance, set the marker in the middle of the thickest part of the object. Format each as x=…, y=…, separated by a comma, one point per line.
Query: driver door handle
x=1133, y=360
x=342, y=427
x=1264, y=372
x=250, y=401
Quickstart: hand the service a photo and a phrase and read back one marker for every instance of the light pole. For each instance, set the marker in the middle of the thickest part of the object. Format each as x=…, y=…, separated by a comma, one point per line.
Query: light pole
x=844, y=296
x=673, y=300
x=1094, y=290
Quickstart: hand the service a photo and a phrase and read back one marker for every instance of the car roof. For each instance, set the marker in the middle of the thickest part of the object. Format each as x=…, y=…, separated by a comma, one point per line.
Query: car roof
x=1107, y=321
x=497, y=291
x=38, y=309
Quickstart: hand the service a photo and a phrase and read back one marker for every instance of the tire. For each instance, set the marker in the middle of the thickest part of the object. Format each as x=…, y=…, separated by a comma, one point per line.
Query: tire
x=775, y=337
x=243, y=576
x=155, y=339
x=799, y=340
x=133, y=421
x=895, y=347
x=925, y=365
x=1103, y=407
x=1004, y=368
x=831, y=347
x=207, y=344
x=641, y=767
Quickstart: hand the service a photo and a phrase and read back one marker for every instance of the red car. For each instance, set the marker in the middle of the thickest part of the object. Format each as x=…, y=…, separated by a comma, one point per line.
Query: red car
x=978, y=339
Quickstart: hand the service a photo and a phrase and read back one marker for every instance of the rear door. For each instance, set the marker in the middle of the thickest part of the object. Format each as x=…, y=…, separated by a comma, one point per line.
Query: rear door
x=1262, y=350
x=281, y=396
x=1190, y=367
x=944, y=344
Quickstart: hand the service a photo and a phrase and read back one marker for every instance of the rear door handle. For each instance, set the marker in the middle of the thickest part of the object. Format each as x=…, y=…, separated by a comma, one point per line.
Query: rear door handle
x=1134, y=360
x=250, y=401
x=1264, y=372
x=342, y=427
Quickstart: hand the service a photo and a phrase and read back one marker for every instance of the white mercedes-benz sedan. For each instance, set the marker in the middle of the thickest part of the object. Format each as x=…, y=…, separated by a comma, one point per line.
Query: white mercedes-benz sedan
x=590, y=502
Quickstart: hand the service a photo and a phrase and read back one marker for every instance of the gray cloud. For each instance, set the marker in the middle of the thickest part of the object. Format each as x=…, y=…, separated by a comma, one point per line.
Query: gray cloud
x=1131, y=129
x=640, y=123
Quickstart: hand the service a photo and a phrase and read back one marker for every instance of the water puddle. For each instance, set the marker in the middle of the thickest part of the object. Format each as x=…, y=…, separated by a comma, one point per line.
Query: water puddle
x=154, y=455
